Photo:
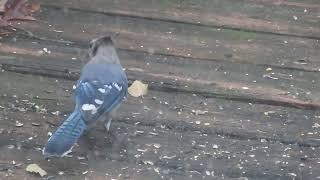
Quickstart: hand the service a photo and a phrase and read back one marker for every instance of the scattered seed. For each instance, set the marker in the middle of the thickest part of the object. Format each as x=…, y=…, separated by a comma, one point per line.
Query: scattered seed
x=208, y=173
x=81, y=158
x=295, y=18
x=56, y=113
x=18, y=124
x=148, y=163
x=156, y=145
x=10, y=146
x=169, y=157
x=199, y=112
x=142, y=150
x=35, y=124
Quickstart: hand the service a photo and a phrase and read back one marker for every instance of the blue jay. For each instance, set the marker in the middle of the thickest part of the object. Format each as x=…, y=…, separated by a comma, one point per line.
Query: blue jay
x=98, y=93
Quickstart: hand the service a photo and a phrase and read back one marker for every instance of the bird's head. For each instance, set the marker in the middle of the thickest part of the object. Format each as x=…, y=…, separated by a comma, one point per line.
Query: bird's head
x=102, y=48
x=98, y=44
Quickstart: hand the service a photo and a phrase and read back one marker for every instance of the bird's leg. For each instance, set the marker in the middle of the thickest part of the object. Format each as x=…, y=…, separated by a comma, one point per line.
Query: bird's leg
x=107, y=123
x=109, y=117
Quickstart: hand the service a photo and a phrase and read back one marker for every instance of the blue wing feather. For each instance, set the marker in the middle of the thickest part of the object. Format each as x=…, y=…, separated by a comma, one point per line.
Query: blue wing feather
x=108, y=96
x=100, y=83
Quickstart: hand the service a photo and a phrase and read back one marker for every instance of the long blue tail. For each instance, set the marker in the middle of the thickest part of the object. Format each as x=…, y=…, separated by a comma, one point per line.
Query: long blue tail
x=65, y=137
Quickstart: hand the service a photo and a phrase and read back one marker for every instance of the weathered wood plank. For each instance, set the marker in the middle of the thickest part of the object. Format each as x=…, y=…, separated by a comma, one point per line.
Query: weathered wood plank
x=246, y=126
x=175, y=77
x=226, y=80
x=237, y=148
x=178, y=39
x=277, y=17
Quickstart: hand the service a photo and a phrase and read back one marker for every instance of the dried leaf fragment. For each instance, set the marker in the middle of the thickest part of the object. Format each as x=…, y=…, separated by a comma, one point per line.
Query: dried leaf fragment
x=35, y=168
x=20, y=10
x=138, y=89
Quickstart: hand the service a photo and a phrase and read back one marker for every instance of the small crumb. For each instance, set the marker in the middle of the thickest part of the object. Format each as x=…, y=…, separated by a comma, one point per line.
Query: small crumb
x=153, y=133
x=292, y=174
x=10, y=146
x=295, y=18
x=268, y=112
x=148, y=163
x=81, y=158
x=142, y=150
x=169, y=157
x=56, y=113
x=46, y=50
x=199, y=112
x=57, y=31
x=35, y=124
x=263, y=140
x=214, y=146
x=156, y=170
x=156, y=145
x=18, y=124
x=146, y=108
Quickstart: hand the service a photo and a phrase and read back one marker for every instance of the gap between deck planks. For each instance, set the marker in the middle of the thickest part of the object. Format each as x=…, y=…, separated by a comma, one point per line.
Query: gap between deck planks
x=251, y=153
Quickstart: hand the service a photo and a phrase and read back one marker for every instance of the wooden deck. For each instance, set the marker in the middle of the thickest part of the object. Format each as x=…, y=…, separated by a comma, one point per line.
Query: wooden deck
x=234, y=89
